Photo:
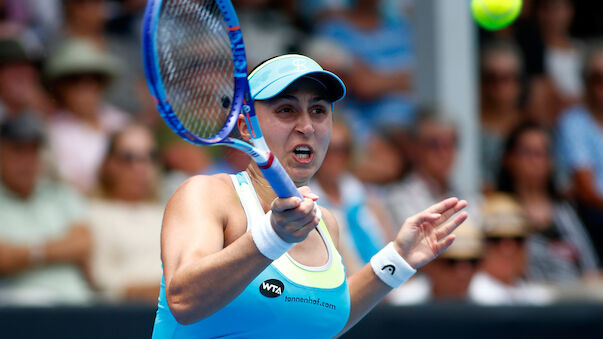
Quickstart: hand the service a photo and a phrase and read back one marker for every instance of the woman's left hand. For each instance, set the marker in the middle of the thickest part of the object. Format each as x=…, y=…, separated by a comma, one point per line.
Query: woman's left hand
x=425, y=235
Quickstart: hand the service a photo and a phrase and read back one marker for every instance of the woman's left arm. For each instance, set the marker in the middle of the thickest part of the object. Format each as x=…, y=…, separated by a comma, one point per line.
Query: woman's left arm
x=421, y=238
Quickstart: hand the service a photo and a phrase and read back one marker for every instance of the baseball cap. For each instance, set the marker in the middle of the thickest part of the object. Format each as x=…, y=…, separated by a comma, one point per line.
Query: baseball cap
x=26, y=127
x=275, y=75
x=12, y=50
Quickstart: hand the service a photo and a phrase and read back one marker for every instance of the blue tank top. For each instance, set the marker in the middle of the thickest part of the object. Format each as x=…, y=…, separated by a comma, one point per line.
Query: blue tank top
x=286, y=300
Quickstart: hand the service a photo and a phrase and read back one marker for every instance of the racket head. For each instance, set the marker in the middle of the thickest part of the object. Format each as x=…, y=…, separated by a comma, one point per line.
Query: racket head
x=195, y=66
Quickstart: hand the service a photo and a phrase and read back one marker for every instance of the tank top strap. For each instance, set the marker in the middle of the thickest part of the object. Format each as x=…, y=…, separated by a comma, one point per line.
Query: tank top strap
x=248, y=197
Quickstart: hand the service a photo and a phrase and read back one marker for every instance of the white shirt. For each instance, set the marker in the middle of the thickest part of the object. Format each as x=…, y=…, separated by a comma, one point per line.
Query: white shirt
x=563, y=66
x=79, y=148
x=487, y=290
x=126, y=247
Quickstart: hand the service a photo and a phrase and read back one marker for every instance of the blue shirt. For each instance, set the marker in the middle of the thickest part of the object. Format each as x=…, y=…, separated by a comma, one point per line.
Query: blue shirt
x=385, y=49
x=580, y=143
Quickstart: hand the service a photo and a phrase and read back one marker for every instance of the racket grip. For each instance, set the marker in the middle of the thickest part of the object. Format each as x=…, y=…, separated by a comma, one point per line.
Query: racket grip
x=280, y=181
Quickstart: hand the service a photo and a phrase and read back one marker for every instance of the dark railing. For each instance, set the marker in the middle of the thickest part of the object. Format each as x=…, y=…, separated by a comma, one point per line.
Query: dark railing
x=426, y=321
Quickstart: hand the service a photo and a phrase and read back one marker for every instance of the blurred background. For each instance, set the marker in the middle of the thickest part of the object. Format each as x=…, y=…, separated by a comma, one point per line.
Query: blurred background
x=510, y=120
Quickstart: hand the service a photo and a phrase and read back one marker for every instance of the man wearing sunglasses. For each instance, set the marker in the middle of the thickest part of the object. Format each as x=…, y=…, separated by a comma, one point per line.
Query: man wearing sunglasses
x=500, y=279
x=447, y=278
x=44, y=239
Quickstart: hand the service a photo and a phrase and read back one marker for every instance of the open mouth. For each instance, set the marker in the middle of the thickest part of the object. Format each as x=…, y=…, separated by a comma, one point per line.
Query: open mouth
x=303, y=153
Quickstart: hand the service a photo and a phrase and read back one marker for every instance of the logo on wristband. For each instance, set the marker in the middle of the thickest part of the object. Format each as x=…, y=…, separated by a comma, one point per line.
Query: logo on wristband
x=389, y=268
x=272, y=288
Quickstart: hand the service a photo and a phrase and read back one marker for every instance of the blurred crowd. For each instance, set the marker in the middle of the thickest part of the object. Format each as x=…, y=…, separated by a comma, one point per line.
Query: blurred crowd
x=86, y=163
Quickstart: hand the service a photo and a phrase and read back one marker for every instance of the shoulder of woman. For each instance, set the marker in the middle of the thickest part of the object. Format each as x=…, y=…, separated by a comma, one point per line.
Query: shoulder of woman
x=208, y=188
x=330, y=222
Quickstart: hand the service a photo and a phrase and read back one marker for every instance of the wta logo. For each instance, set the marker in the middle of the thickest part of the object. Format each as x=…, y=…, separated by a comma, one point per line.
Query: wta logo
x=272, y=288
x=391, y=269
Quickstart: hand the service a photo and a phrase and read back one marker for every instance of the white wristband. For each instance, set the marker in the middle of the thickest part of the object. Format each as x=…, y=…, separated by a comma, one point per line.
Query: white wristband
x=267, y=241
x=390, y=267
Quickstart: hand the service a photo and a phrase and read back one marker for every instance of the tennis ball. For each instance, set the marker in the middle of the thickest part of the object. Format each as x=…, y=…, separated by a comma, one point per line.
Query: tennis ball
x=495, y=14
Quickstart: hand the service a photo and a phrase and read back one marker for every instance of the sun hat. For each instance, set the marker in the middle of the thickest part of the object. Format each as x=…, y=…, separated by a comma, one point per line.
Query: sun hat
x=503, y=216
x=78, y=56
x=275, y=75
x=469, y=242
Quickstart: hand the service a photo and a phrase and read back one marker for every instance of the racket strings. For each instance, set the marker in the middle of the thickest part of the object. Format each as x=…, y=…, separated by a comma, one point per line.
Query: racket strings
x=195, y=61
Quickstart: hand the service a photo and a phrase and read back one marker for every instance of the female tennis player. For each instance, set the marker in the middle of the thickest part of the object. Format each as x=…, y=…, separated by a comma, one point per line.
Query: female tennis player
x=239, y=262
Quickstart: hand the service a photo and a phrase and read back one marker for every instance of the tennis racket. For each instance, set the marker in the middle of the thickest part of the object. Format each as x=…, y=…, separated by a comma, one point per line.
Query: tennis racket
x=195, y=66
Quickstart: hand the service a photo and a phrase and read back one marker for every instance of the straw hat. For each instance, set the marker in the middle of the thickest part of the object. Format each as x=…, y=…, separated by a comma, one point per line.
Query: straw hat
x=77, y=56
x=503, y=216
x=469, y=242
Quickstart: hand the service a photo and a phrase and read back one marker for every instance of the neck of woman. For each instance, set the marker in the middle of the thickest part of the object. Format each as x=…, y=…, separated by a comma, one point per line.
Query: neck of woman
x=557, y=40
x=529, y=190
x=499, y=118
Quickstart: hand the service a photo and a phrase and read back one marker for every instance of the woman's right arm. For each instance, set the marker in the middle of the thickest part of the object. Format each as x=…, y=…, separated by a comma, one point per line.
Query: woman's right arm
x=201, y=275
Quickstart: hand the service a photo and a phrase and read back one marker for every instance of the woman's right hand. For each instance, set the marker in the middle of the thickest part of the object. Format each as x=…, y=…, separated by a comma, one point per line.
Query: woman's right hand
x=292, y=218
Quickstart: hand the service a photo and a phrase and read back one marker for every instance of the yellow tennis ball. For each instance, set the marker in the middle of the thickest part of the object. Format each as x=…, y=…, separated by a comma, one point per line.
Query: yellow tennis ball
x=495, y=14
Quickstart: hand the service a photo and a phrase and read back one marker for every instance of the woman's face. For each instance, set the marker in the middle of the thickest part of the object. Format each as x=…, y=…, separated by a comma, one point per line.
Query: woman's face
x=501, y=80
x=297, y=127
x=436, y=149
x=555, y=16
x=131, y=167
x=530, y=160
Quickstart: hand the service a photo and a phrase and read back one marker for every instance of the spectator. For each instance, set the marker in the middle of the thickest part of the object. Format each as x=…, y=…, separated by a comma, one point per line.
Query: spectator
x=386, y=158
x=363, y=223
x=563, y=54
x=44, y=244
x=89, y=20
x=15, y=15
x=84, y=20
x=180, y=159
x=581, y=147
x=500, y=280
x=558, y=248
x=380, y=77
x=434, y=140
x=227, y=160
x=269, y=29
x=501, y=69
x=538, y=98
x=447, y=278
x=20, y=86
x=125, y=219
x=78, y=75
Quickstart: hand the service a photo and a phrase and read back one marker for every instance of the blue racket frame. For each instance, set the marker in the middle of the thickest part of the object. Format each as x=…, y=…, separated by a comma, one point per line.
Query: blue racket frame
x=242, y=102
